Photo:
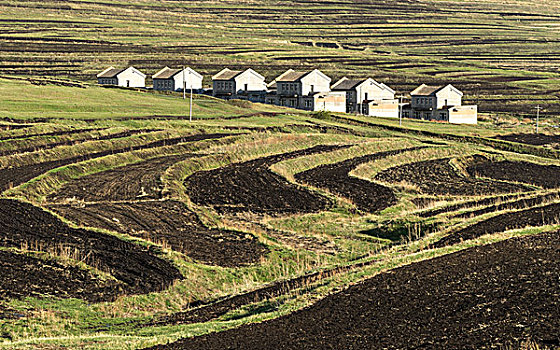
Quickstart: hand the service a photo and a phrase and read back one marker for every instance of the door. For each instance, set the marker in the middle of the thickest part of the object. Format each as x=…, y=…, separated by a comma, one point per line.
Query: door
x=128, y=83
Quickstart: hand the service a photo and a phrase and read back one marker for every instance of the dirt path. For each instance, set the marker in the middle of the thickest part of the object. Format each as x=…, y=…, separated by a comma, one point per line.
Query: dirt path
x=480, y=298
x=251, y=186
x=366, y=195
x=438, y=177
x=130, y=182
x=170, y=223
x=23, y=225
x=533, y=217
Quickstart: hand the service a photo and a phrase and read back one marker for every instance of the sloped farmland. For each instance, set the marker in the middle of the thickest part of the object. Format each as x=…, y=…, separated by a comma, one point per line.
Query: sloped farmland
x=480, y=298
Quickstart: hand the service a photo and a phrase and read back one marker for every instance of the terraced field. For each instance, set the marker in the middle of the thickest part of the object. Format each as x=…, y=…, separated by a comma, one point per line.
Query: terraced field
x=143, y=230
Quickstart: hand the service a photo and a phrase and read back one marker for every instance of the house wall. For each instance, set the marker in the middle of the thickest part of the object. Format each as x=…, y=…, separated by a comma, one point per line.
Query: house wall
x=384, y=108
x=191, y=80
x=289, y=88
x=332, y=102
x=107, y=81
x=448, y=97
x=164, y=84
x=463, y=115
x=315, y=82
x=423, y=102
x=373, y=91
x=131, y=78
x=222, y=87
x=248, y=81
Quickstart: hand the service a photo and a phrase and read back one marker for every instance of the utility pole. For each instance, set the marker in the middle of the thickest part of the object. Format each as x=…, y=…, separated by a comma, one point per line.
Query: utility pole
x=538, y=110
x=400, y=111
x=184, y=85
x=190, y=108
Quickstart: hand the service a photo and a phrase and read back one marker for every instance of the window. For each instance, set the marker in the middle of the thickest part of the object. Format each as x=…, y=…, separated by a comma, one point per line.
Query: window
x=246, y=87
x=366, y=96
x=312, y=88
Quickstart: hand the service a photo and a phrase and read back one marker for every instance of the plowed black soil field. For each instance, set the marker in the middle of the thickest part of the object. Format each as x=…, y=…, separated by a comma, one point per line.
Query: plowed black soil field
x=546, y=176
x=531, y=139
x=10, y=177
x=23, y=276
x=473, y=299
x=366, y=195
x=22, y=224
x=438, y=177
x=136, y=181
x=539, y=216
x=251, y=186
x=171, y=223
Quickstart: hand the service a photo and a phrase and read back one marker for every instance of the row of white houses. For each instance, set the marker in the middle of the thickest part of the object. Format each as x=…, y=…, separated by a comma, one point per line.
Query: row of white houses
x=309, y=90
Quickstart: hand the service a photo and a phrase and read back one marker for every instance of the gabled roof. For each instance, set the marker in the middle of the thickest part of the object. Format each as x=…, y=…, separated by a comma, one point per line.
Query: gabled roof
x=250, y=71
x=168, y=73
x=425, y=90
x=226, y=74
x=291, y=76
x=387, y=88
x=111, y=72
x=347, y=84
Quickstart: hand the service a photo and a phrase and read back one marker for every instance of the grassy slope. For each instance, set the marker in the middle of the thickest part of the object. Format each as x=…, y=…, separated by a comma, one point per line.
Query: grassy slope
x=503, y=54
x=23, y=100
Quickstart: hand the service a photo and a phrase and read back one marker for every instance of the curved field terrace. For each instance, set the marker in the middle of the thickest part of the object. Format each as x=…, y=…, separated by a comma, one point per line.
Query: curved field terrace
x=475, y=299
x=252, y=187
x=533, y=217
x=24, y=225
x=439, y=177
x=169, y=223
x=366, y=195
x=545, y=176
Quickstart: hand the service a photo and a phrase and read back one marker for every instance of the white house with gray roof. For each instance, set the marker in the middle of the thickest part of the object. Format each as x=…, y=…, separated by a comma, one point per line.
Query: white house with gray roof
x=305, y=90
x=442, y=103
x=127, y=77
x=245, y=85
x=169, y=79
x=368, y=97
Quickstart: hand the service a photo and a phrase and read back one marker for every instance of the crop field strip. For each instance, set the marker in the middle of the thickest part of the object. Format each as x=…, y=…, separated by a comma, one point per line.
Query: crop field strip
x=400, y=44
x=366, y=195
x=251, y=186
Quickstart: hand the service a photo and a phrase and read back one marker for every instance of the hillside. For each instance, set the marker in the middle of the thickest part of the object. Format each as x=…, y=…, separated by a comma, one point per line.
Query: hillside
x=125, y=226
x=503, y=54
